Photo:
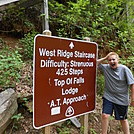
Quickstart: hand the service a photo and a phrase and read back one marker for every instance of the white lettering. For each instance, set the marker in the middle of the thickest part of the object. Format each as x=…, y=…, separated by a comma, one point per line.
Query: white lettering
x=73, y=71
x=42, y=63
x=78, y=80
x=69, y=81
x=59, y=83
x=52, y=63
x=69, y=101
x=52, y=103
x=64, y=53
x=82, y=54
x=58, y=101
x=69, y=91
x=74, y=63
x=45, y=52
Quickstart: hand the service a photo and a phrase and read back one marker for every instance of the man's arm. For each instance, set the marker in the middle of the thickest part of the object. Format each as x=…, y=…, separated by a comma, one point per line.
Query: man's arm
x=99, y=61
x=132, y=95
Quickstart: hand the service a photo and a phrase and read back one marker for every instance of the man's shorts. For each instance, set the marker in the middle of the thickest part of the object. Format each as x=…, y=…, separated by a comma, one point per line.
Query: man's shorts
x=120, y=111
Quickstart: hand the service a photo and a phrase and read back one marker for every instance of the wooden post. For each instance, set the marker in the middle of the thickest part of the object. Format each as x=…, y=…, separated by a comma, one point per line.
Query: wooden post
x=47, y=129
x=47, y=32
x=84, y=123
x=84, y=119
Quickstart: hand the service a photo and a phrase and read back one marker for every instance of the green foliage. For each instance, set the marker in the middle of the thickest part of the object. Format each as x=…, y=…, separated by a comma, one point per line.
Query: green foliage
x=16, y=118
x=28, y=45
x=2, y=43
x=63, y=130
x=72, y=20
x=128, y=62
x=82, y=130
x=111, y=118
x=10, y=66
x=100, y=84
x=130, y=116
x=28, y=104
x=109, y=23
x=15, y=20
x=92, y=131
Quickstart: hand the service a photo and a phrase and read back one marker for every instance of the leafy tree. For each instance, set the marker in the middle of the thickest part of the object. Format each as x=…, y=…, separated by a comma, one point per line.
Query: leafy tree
x=106, y=22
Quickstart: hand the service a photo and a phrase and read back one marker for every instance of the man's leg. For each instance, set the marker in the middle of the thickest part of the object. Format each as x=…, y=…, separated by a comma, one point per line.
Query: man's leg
x=107, y=111
x=125, y=126
x=121, y=114
x=105, y=122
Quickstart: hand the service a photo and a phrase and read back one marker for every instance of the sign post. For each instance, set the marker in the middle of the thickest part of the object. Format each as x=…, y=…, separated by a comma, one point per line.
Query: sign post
x=47, y=129
x=64, y=79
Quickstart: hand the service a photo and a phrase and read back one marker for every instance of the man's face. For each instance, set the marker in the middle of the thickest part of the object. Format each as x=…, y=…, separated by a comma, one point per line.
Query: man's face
x=113, y=61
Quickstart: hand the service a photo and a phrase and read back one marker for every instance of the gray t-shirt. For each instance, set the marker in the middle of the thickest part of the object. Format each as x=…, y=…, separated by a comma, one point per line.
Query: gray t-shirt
x=117, y=82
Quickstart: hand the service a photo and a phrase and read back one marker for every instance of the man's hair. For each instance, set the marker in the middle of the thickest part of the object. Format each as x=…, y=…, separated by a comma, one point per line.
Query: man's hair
x=113, y=53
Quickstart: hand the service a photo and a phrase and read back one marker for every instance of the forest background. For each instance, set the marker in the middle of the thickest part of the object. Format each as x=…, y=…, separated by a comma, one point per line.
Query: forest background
x=109, y=23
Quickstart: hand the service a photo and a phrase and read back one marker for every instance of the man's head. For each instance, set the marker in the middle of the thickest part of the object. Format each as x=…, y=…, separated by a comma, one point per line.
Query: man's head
x=113, y=59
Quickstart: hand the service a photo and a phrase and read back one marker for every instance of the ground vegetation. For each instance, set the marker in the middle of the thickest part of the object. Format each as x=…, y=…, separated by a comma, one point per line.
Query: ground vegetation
x=109, y=23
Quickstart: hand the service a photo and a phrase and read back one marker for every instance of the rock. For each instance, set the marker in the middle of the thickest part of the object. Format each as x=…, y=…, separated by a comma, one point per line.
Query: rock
x=8, y=106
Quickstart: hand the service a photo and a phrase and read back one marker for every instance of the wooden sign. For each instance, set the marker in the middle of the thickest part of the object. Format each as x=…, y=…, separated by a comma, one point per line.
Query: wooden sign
x=64, y=79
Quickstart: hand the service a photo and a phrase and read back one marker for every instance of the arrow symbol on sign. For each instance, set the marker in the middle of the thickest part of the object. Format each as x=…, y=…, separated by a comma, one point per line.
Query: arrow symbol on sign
x=71, y=45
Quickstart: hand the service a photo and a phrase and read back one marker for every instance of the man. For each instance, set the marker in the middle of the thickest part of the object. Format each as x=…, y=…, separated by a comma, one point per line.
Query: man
x=118, y=78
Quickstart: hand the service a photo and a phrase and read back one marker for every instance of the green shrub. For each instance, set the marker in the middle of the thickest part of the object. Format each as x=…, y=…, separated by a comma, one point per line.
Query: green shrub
x=28, y=45
x=10, y=65
x=16, y=118
x=129, y=62
x=105, y=22
x=100, y=84
x=16, y=20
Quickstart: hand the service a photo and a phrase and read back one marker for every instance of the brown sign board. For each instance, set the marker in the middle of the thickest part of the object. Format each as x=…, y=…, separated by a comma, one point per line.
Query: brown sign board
x=64, y=79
